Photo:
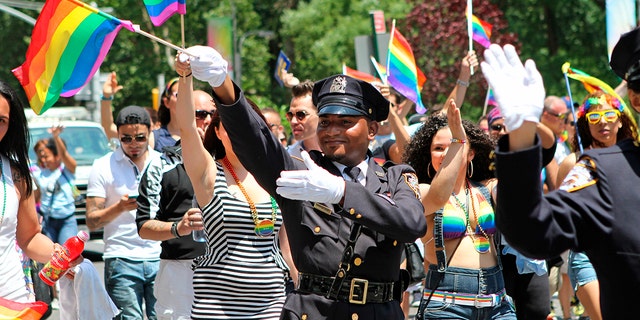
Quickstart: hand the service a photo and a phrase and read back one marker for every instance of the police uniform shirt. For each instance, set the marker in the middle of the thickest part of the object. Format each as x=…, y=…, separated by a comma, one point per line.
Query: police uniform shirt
x=388, y=208
x=595, y=210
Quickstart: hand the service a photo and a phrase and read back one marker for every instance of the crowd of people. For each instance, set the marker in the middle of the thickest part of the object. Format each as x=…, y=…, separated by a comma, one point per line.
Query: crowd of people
x=537, y=197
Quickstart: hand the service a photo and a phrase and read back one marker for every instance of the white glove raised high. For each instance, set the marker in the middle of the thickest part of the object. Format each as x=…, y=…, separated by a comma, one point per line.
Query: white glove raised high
x=518, y=89
x=315, y=184
x=208, y=66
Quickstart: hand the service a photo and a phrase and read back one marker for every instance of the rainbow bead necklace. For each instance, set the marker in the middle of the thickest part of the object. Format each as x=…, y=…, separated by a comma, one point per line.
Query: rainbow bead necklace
x=262, y=228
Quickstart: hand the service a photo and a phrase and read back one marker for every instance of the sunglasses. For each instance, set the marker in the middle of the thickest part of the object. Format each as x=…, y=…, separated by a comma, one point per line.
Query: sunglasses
x=128, y=139
x=202, y=114
x=497, y=127
x=560, y=116
x=300, y=115
x=609, y=116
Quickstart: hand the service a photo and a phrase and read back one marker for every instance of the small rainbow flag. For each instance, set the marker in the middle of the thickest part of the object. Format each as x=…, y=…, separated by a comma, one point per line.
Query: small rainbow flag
x=491, y=100
x=68, y=43
x=402, y=71
x=161, y=10
x=481, y=31
x=353, y=73
x=22, y=311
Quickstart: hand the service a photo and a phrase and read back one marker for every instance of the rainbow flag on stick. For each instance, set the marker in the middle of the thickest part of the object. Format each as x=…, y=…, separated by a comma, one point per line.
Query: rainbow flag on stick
x=21, y=311
x=402, y=72
x=68, y=43
x=161, y=10
x=480, y=30
x=353, y=73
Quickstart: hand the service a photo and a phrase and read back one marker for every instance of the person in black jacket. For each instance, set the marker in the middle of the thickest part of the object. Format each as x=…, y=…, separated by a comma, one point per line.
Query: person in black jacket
x=345, y=227
x=595, y=209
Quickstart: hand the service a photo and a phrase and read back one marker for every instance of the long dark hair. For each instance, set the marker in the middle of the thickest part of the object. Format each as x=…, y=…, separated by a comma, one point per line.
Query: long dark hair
x=164, y=116
x=418, y=152
x=627, y=131
x=15, y=144
x=211, y=141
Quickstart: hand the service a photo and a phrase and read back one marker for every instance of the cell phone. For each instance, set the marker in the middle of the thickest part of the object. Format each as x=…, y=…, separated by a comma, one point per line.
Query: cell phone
x=133, y=196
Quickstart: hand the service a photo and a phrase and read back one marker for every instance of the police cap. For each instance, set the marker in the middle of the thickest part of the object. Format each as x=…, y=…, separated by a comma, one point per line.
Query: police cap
x=343, y=95
x=625, y=58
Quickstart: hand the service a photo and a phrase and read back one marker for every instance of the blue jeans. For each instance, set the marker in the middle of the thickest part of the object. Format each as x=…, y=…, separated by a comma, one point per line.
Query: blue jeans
x=462, y=280
x=128, y=282
x=59, y=230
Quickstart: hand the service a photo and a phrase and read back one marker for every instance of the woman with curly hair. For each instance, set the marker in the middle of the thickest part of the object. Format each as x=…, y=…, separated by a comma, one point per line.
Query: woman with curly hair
x=464, y=278
x=601, y=123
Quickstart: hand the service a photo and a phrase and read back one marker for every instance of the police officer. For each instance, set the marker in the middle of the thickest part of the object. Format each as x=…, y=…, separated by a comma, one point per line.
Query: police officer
x=346, y=217
x=596, y=208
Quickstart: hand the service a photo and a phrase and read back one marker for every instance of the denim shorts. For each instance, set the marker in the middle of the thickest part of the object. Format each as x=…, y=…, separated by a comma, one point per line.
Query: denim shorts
x=462, y=280
x=580, y=270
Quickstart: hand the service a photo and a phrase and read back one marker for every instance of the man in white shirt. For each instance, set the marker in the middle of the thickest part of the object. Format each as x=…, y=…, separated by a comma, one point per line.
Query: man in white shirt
x=131, y=263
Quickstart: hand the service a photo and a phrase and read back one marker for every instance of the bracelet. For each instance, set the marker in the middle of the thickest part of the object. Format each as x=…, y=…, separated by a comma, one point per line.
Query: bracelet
x=190, y=73
x=455, y=140
x=103, y=98
x=174, y=229
x=462, y=83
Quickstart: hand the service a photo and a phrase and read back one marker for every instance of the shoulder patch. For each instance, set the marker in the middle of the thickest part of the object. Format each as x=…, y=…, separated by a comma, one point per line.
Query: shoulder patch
x=581, y=176
x=412, y=181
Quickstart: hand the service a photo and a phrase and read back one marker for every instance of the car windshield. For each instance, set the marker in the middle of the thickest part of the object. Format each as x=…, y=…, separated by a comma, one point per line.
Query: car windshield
x=85, y=144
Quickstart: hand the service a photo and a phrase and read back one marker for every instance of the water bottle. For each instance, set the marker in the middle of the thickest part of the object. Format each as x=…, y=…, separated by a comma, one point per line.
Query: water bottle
x=59, y=263
x=198, y=235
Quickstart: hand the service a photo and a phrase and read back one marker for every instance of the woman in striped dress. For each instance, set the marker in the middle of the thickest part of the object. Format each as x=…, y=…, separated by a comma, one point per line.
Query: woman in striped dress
x=242, y=274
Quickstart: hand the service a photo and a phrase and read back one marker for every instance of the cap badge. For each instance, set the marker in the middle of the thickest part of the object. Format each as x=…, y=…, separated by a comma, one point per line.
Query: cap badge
x=338, y=85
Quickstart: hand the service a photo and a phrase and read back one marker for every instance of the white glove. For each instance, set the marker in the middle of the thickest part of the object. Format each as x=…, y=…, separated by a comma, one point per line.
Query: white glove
x=208, y=66
x=315, y=184
x=518, y=89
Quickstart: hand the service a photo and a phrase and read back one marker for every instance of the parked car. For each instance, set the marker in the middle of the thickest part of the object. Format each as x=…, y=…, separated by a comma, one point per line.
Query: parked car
x=86, y=141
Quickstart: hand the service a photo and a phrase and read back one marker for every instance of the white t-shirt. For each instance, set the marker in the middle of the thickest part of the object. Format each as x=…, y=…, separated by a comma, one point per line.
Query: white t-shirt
x=113, y=176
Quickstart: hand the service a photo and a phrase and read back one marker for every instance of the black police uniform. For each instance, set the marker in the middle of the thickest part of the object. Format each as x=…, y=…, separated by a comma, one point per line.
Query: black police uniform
x=597, y=213
x=388, y=208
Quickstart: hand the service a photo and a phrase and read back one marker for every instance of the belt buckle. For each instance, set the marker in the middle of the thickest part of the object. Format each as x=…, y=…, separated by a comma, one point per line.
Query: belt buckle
x=476, y=302
x=358, y=291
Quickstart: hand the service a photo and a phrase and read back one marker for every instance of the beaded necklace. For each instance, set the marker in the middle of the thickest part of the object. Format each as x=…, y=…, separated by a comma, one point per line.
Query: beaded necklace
x=4, y=191
x=262, y=228
x=480, y=242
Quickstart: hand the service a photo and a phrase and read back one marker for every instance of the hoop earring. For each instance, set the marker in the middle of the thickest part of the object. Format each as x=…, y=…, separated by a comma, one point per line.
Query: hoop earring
x=470, y=169
x=429, y=170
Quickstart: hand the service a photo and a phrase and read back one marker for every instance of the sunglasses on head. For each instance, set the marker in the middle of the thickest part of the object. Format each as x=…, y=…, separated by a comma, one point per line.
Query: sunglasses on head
x=300, y=115
x=202, y=114
x=609, y=116
x=497, y=127
x=129, y=139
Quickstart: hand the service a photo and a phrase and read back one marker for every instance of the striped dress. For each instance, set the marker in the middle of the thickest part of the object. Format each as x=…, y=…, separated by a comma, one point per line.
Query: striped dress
x=241, y=275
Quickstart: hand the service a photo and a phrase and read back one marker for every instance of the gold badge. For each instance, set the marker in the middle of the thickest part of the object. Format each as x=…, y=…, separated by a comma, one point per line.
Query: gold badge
x=412, y=181
x=581, y=176
x=339, y=85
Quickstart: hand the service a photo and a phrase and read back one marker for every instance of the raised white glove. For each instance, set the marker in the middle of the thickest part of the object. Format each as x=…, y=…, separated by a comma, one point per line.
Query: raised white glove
x=315, y=184
x=518, y=89
x=208, y=66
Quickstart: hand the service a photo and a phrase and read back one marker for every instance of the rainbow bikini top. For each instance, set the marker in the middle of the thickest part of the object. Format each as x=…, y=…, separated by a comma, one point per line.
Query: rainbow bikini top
x=455, y=221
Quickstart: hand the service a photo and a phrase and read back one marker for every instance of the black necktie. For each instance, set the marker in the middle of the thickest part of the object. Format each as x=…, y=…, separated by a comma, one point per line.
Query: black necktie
x=353, y=173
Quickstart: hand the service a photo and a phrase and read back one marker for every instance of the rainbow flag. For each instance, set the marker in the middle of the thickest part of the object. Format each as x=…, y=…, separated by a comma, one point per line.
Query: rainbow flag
x=161, y=10
x=68, y=43
x=11, y=310
x=380, y=69
x=481, y=31
x=491, y=100
x=402, y=72
x=353, y=73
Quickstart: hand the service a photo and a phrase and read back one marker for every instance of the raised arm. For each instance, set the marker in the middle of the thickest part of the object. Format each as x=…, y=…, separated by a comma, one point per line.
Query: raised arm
x=109, y=89
x=198, y=162
x=69, y=162
x=462, y=84
x=438, y=193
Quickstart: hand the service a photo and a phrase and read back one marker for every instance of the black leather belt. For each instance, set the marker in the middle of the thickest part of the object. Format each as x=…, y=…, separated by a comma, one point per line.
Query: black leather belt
x=355, y=290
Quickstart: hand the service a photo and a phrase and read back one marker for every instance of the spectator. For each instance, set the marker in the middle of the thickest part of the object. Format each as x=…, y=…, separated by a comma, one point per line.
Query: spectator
x=275, y=123
x=303, y=117
x=131, y=263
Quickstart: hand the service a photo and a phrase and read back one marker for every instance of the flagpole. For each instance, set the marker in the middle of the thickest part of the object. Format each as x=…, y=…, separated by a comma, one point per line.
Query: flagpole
x=573, y=111
x=162, y=41
x=393, y=32
x=383, y=77
x=470, y=28
x=182, y=28
x=486, y=102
